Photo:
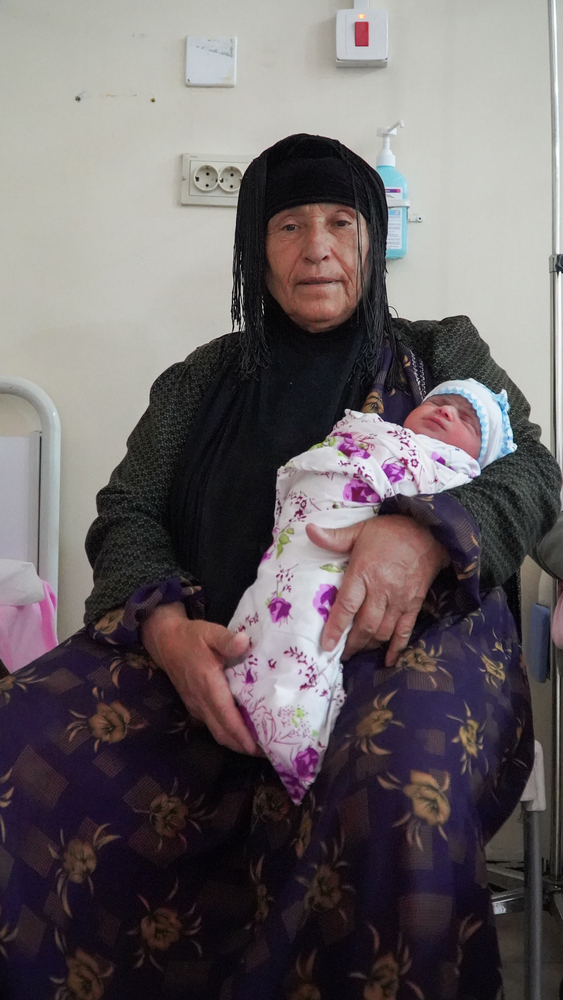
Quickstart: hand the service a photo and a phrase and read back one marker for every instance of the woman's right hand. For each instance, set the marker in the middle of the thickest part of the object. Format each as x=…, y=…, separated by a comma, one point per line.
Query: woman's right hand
x=193, y=654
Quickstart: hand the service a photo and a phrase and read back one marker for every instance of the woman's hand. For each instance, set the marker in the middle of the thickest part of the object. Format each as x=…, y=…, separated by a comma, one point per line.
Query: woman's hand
x=193, y=654
x=393, y=562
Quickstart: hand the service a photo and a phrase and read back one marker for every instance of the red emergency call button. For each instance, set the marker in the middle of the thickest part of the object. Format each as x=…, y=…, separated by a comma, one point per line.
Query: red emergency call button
x=361, y=33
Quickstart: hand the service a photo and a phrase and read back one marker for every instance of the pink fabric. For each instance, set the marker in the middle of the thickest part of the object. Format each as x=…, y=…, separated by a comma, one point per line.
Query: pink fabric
x=557, y=623
x=27, y=631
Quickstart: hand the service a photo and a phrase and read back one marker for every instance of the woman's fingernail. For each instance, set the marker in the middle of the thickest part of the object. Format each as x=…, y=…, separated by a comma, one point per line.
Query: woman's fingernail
x=329, y=645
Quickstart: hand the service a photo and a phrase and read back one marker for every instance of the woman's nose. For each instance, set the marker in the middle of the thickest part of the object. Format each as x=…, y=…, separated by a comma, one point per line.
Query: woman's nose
x=316, y=245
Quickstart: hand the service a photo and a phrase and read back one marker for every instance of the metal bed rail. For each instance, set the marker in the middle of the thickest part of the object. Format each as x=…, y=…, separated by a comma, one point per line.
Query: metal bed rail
x=49, y=473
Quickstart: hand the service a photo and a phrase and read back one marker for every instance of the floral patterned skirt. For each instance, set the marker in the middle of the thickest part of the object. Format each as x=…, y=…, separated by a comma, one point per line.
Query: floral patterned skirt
x=140, y=859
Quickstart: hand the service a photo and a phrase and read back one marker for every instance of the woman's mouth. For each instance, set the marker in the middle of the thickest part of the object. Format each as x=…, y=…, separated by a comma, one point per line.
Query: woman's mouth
x=317, y=281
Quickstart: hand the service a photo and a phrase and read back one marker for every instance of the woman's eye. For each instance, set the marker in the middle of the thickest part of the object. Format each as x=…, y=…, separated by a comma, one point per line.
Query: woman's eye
x=289, y=227
x=342, y=223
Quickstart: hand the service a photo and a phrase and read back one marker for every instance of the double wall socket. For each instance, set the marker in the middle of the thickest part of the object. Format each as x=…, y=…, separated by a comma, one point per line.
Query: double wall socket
x=211, y=179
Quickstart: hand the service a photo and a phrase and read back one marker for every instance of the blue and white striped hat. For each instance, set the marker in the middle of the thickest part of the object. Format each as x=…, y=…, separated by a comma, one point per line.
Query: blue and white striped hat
x=492, y=409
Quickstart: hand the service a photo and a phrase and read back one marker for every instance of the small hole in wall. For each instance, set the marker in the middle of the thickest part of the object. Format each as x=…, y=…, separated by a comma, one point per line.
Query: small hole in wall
x=77, y=98
x=153, y=99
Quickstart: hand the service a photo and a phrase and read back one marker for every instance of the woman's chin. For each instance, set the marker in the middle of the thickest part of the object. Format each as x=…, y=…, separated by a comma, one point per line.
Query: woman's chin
x=321, y=317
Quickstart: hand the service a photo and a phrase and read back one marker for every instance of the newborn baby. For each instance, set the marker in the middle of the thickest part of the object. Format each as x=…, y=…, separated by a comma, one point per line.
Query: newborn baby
x=288, y=689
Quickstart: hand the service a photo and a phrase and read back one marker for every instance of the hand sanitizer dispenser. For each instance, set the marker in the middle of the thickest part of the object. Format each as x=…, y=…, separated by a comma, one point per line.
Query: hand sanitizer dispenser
x=397, y=195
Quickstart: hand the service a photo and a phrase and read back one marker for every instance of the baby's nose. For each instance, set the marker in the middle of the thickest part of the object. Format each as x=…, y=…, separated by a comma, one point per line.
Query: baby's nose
x=447, y=410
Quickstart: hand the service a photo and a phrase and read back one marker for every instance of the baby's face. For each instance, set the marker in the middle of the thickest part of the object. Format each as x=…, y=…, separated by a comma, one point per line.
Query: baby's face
x=448, y=418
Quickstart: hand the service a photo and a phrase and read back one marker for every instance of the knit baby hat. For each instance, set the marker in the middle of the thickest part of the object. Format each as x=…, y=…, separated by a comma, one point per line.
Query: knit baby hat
x=491, y=408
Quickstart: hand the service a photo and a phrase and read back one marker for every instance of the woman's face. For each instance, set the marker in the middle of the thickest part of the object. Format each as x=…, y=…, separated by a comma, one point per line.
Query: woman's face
x=312, y=263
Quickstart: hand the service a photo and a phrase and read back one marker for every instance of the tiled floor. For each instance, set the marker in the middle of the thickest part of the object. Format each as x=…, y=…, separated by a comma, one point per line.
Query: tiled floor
x=511, y=938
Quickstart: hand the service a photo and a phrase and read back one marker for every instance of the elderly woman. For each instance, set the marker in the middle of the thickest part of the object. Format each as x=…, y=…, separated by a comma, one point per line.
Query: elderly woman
x=149, y=851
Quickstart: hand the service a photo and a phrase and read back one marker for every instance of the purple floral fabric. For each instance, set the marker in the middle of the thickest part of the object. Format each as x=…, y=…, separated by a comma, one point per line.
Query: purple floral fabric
x=338, y=482
x=395, y=471
x=324, y=599
x=348, y=446
x=138, y=858
x=360, y=493
x=279, y=609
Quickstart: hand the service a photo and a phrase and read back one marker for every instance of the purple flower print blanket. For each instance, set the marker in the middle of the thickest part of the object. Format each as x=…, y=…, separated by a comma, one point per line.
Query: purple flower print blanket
x=289, y=690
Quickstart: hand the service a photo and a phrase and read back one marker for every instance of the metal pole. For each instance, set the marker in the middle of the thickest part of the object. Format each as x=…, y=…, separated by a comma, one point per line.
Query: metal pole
x=533, y=902
x=556, y=267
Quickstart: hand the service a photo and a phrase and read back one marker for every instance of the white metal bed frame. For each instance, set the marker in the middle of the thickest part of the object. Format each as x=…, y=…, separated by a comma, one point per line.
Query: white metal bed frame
x=49, y=473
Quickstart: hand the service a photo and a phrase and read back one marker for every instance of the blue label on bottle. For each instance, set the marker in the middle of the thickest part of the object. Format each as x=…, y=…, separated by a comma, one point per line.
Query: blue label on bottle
x=395, y=229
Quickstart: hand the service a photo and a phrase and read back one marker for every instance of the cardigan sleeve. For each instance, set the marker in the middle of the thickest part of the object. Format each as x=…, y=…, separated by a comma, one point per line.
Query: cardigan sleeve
x=128, y=544
x=549, y=552
x=516, y=499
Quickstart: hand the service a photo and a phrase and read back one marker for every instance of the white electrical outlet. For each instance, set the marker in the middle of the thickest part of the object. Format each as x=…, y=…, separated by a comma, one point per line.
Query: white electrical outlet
x=211, y=179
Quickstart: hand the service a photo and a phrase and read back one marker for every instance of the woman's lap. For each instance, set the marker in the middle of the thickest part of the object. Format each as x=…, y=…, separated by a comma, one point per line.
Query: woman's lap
x=138, y=858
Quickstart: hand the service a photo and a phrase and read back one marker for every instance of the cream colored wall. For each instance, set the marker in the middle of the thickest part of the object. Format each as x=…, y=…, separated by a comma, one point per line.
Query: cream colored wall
x=106, y=279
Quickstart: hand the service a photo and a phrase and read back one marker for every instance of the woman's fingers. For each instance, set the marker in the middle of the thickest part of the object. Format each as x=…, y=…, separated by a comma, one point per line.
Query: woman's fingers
x=229, y=645
x=221, y=714
x=357, y=640
x=207, y=691
x=349, y=600
x=193, y=654
x=224, y=720
x=352, y=593
x=374, y=624
x=392, y=564
x=400, y=638
x=335, y=539
x=372, y=628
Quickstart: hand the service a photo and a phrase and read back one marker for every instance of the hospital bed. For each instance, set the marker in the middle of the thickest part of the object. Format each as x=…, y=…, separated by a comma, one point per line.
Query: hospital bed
x=29, y=529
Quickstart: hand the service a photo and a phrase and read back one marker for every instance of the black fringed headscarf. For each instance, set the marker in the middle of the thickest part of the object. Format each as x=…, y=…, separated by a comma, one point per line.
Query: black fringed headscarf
x=222, y=502
x=306, y=169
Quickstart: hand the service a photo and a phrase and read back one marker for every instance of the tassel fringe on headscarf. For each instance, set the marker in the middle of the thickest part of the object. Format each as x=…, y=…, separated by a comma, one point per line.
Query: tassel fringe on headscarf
x=249, y=255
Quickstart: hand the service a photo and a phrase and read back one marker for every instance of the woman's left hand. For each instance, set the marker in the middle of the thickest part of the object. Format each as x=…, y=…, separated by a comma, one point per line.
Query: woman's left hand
x=393, y=562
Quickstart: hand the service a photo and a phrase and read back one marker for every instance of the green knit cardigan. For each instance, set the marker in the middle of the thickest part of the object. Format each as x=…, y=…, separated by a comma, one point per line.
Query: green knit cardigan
x=514, y=501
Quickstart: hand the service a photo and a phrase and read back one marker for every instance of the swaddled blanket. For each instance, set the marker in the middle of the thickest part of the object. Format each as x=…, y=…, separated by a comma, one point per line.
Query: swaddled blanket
x=288, y=689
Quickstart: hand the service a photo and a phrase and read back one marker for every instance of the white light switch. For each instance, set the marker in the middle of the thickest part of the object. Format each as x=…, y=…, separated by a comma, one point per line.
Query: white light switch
x=211, y=62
